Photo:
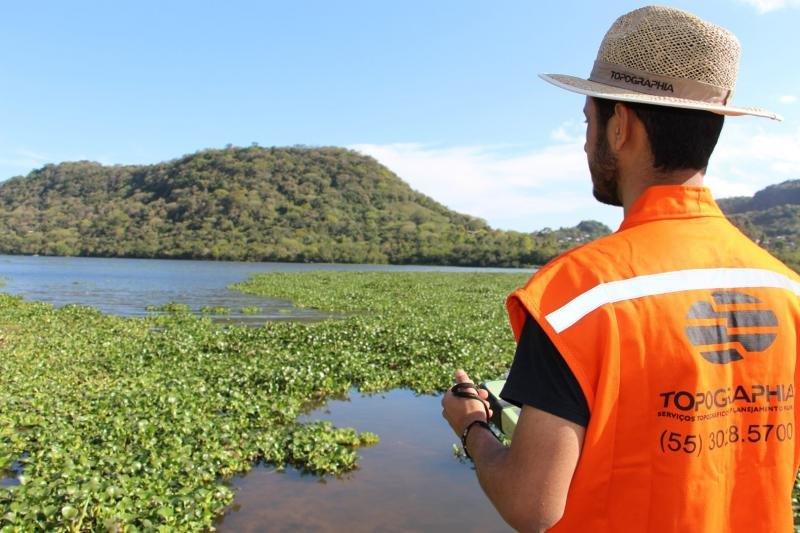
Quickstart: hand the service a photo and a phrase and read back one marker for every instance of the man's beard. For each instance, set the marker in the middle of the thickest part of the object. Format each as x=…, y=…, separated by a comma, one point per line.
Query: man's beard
x=605, y=173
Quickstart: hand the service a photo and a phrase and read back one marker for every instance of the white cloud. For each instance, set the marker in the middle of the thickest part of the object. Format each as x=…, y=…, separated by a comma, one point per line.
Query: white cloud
x=527, y=188
x=765, y=6
x=787, y=99
x=749, y=158
x=23, y=158
x=522, y=188
x=569, y=132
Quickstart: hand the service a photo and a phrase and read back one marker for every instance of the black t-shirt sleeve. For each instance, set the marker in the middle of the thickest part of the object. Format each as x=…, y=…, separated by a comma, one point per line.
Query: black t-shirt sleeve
x=540, y=377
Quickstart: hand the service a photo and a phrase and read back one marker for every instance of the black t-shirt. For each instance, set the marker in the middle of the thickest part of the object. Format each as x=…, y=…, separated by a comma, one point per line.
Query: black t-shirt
x=540, y=377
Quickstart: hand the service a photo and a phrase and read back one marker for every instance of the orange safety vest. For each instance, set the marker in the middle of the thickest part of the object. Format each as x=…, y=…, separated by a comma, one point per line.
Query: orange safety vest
x=683, y=336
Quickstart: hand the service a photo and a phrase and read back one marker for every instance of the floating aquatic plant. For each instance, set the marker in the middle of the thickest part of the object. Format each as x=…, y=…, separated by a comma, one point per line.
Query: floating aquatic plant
x=127, y=424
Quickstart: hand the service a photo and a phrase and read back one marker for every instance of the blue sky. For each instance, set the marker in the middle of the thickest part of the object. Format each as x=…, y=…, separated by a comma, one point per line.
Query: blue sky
x=443, y=92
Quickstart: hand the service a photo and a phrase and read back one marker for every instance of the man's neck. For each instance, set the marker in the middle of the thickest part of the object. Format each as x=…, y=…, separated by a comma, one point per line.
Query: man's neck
x=632, y=189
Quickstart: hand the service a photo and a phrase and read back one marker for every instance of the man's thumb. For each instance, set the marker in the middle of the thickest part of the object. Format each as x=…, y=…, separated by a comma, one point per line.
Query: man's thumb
x=461, y=376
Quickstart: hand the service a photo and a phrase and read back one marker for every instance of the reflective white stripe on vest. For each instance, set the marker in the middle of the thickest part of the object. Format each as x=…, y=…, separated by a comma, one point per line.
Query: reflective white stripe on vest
x=664, y=283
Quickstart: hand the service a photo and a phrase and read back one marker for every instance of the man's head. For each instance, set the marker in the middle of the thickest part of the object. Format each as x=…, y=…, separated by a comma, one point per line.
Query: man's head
x=676, y=139
x=659, y=86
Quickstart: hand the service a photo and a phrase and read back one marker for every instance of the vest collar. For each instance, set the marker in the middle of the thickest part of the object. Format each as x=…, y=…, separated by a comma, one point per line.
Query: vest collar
x=671, y=202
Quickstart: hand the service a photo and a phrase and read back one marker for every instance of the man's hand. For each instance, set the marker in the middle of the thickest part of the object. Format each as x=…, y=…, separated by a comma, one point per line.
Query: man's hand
x=460, y=412
x=527, y=482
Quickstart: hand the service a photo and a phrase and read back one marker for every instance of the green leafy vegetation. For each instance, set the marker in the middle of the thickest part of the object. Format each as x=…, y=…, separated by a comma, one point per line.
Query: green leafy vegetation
x=171, y=308
x=786, y=193
x=215, y=310
x=135, y=424
x=256, y=204
x=771, y=218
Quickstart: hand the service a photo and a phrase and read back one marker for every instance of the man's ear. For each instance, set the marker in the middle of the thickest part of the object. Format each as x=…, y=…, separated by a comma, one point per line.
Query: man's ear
x=619, y=126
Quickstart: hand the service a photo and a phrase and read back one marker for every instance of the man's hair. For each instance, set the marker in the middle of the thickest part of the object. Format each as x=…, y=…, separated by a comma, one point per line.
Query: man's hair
x=679, y=138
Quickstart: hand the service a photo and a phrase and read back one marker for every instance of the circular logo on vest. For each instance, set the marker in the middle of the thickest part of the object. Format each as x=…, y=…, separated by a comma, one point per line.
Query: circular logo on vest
x=731, y=325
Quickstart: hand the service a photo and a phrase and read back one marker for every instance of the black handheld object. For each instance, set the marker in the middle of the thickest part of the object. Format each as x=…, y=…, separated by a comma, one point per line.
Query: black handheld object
x=504, y=415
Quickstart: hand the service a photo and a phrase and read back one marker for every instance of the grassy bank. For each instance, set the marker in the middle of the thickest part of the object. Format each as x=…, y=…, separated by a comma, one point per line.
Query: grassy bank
x=135, y=423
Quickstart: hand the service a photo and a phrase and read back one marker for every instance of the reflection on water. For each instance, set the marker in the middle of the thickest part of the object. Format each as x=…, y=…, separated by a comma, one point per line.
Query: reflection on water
x=126, y=287
x=9, y=477
x=410, y=481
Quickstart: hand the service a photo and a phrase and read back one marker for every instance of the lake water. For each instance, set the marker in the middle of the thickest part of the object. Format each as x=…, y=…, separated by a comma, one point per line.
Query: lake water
x=410, y=481
x=126, y=287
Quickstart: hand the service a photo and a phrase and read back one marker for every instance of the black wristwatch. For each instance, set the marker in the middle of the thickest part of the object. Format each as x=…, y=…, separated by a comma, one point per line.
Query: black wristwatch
x=465, y=433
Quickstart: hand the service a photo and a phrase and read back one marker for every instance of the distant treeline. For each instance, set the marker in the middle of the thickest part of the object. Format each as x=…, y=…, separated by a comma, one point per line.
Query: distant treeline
x=257, y=204
x=772, y=218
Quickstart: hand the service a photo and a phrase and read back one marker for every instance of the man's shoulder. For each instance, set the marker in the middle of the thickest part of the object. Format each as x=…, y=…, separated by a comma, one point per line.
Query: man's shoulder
x=576, y=270
x=590, y=260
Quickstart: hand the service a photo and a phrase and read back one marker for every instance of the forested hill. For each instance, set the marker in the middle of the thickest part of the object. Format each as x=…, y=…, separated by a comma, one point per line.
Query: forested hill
x=771, y=217
x=256, y=204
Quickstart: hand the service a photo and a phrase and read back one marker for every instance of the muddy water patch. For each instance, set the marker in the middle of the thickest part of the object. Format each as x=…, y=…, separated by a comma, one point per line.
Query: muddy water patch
x=409, y=481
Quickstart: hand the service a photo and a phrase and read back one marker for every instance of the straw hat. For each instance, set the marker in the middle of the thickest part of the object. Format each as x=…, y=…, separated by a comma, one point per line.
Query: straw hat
x=664, y=56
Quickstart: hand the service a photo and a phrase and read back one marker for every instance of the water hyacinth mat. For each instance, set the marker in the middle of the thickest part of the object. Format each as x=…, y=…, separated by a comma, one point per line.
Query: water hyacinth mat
x=135, y=424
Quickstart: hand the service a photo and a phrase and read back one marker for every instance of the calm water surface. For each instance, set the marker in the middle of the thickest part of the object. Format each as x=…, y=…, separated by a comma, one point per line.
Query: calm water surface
x=126, y=287
x=410, y=481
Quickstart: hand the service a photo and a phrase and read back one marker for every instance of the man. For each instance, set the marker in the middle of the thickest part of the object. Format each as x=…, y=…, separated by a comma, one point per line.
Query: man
x=656, y=367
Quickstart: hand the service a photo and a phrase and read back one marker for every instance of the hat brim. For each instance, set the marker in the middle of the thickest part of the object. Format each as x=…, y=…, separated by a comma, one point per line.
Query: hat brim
x=600, y=90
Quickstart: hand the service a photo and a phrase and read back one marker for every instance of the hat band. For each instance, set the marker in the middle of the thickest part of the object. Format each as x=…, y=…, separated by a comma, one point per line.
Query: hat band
x=656, y=85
